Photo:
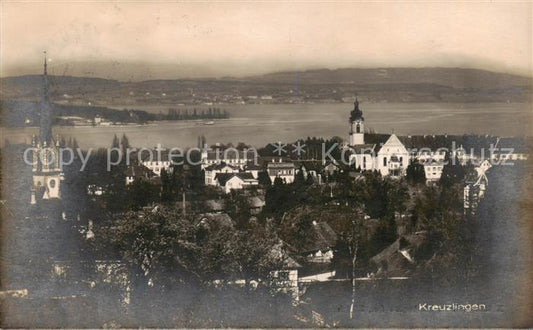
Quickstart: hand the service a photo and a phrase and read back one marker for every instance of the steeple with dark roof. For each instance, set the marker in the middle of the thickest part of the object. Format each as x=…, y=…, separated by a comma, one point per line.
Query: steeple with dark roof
x=356, y=114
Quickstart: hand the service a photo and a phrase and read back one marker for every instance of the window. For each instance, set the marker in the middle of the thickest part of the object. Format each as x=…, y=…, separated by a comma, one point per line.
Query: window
x=384, y=161
x=283, y=275
x=358, y=129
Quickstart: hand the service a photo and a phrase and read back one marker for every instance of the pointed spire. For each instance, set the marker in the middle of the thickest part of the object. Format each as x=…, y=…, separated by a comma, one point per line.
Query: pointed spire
x=45, y=80
x=45, y=130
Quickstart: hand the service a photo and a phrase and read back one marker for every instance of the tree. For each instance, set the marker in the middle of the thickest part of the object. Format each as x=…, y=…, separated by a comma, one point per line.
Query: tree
x=116, y=142
x=142, y=193
x=159, y=245
x=256, y=257
x=170, y=249
x=238, y=208
x=299, y=178
x=348, y=252
x=263, y=178
x=166, y=186
x=452, y=172
x=125, y=144
x=416, y=173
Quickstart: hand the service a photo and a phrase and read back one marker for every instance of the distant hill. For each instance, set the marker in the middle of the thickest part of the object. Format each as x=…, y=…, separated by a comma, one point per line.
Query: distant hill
x=31, y=85
x=451, y=77
x=317, y=86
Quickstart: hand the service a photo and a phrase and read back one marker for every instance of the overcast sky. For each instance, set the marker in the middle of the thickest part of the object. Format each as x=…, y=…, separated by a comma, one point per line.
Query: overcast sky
x=139, y=40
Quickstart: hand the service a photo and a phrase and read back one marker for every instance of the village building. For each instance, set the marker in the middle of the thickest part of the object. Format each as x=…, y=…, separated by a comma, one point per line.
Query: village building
x=331, y=167
x=427, y=155
x=230, y=156
x=212, y=170
x=433, y=170
x=253, y=168
x=320, y=249
x=158, y=160
x=256, y=204
x=285, y=170
x=138, y=172
x=308, y=168
x=284, y=279
x=235, y=181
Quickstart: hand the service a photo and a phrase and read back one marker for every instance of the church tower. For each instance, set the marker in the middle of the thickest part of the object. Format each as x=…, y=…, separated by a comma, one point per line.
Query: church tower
x=46, y=171
x=357, y=125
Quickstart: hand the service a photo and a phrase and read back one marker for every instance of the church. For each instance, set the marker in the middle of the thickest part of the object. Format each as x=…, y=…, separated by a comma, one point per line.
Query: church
x=46, y=172
x=391, y=158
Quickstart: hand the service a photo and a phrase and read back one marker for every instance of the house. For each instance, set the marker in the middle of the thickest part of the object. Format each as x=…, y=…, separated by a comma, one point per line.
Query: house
x=256, y=204
x=158, y=159
x=237, y=181
x=95, y=190
x=331, y=168
x=212, y=170
x=138, y=172
x=253, y=168
x=319, y=248
x=281, y=169
x=284, y=279
x=398, y=258
x=426, y=154
x=433, y=169
x=230, y=156
x=309, y=168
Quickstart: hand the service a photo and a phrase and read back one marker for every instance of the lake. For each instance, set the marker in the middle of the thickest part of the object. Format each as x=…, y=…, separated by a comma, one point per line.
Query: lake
x=264, y=123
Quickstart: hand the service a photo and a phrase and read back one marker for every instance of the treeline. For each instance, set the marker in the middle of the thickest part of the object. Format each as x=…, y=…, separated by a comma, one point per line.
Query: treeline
x=185, y=114
x=25, y=113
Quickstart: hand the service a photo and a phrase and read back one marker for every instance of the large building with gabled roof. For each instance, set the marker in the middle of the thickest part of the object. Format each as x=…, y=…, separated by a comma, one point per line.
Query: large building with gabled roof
x=391, y=158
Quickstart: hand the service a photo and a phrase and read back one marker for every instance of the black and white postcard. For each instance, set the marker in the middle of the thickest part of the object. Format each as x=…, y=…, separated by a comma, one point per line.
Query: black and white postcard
x=274, y=164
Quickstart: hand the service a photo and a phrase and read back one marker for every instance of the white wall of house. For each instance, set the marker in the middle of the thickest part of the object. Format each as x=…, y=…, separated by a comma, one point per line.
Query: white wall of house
x=156, y=166
x=237, y=183
x=433, y=171
x=392, y=149
x=211, y=174
x=286, y=174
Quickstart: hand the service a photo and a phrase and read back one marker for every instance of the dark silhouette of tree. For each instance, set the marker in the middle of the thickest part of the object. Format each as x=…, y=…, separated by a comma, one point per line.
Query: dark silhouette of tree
x=415, y=173
x=263, y=178
x=141, y=193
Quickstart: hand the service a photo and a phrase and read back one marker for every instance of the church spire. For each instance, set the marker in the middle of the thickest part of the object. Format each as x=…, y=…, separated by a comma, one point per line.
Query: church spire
x=45, y=129
x=46, y=97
